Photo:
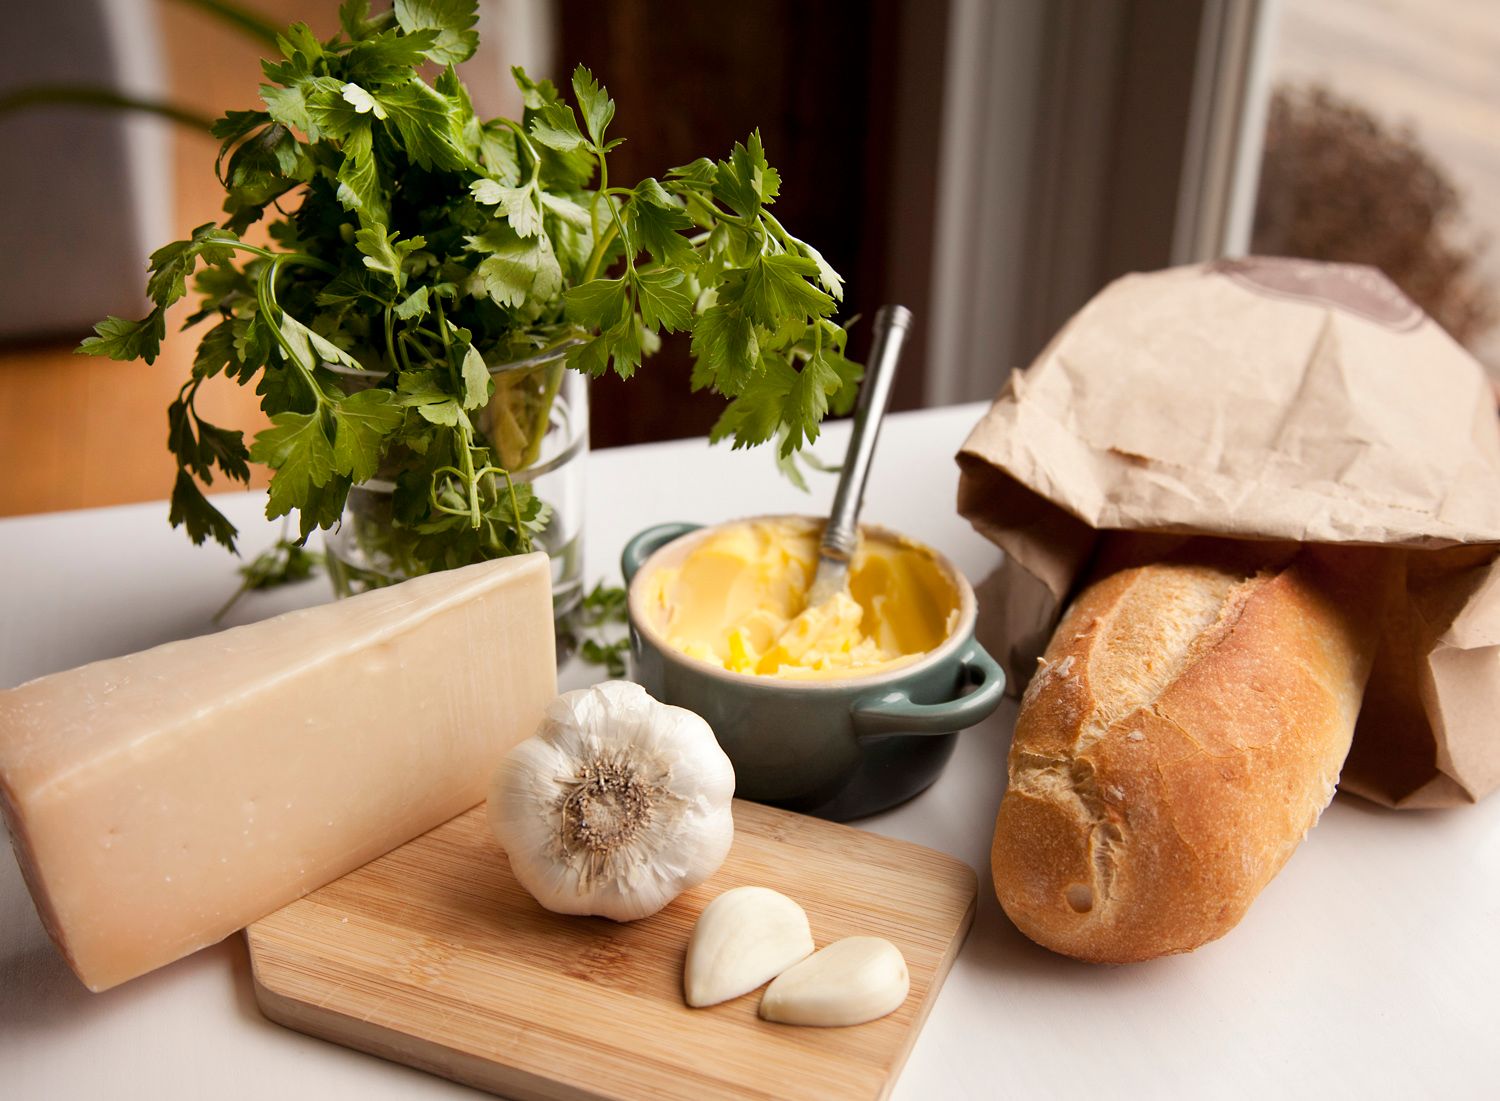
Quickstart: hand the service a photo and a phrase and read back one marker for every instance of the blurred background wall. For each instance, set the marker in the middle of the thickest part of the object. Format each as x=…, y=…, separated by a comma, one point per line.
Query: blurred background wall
x=990, y=163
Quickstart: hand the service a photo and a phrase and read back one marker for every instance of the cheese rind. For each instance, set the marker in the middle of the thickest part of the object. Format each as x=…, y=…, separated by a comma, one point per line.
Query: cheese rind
x=159, y=802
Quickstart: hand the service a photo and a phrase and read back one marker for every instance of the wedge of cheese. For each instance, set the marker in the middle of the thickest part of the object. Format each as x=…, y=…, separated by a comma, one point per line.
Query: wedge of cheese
x=161, y=801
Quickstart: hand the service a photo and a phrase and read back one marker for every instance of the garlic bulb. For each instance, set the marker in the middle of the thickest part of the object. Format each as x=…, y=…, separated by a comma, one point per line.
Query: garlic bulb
x=616, y=806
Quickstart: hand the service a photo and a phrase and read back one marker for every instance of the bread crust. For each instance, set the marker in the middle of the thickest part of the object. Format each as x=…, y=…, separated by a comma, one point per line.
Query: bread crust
x=1184, y=732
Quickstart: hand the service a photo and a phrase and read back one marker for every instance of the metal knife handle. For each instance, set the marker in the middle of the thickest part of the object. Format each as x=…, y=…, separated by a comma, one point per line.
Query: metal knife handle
x=841, y=535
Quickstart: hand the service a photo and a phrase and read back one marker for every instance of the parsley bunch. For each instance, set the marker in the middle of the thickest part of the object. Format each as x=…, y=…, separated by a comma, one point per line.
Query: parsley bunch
x=413, y=245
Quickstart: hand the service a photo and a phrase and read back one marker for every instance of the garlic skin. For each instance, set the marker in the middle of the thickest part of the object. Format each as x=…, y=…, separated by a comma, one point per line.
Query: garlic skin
x=745, y=937
x=616, y=806
x=851, y=981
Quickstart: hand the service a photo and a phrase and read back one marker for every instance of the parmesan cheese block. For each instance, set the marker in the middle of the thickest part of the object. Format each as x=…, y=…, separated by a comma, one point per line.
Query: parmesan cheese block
x=159, y=802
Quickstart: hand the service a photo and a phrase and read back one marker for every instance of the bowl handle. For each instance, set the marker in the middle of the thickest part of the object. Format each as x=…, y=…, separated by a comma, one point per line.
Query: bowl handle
x=894, y=712
x=644, y=545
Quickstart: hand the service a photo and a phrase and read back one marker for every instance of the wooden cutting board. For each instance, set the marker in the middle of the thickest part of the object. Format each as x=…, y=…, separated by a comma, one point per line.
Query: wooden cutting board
x=435, y=956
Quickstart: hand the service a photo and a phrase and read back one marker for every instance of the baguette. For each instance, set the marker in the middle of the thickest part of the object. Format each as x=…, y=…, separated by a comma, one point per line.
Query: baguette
x=1183, y=733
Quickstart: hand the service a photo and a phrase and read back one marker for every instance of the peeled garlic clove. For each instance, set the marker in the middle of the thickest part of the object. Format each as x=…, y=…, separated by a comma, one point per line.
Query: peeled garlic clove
x=745, y=937
x=852, y=981
x=616, y=806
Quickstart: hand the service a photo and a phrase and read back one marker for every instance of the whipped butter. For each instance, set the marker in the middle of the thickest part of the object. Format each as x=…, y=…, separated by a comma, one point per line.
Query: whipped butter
x=738, y=600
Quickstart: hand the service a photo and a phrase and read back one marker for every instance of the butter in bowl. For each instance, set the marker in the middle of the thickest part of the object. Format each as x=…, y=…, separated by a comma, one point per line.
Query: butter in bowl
x=839, y=710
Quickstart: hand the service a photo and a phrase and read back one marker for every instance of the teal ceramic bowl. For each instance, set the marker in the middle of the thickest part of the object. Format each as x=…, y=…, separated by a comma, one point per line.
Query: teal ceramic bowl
x=840, y=748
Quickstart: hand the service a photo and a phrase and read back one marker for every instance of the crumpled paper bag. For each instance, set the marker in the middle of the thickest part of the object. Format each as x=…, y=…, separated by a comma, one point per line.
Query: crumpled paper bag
x=1268, y=399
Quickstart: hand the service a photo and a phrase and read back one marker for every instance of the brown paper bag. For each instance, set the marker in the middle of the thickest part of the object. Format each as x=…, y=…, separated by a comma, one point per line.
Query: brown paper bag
x=1268, y=399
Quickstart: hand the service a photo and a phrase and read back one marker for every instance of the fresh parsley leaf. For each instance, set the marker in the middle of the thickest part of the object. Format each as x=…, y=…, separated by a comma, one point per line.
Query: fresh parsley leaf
x=746, y=181
x=236, y=124
x=626, y=344
x=497, y=149
x=420, y=391
x=663, y=302
x=476, y=379
x=362, y=101
x=600, y=304
x=556, y=127
x=774, y=288
x=726, y=350
x=654, y=219
x=308, y=349
x=362, y=423
x=324, y=506
x=831, y=280
x=595, y=626
x=564, y=208
x=298, y=449
x=598, y=109
x=384, y=253
x=610, y=655
x=224, y=448
x=807, y=401
x=755, y=415
x=285, y=562
x=216, y=351
x=172, y=264
x=520, y=205
x=119, y=338
x=590, y=357
x=301, y=49
x=701, y=173
x=450, y=18
x=288, y=106
x=390, y=56
x=354, y=18
x=414, y=306
x=516, y=269
x=424, y=119
x=360, y=186
x=409, y=239
x=191, y=509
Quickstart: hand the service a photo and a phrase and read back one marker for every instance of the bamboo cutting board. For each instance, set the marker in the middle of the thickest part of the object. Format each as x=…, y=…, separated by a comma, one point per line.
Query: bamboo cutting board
x=435, y=956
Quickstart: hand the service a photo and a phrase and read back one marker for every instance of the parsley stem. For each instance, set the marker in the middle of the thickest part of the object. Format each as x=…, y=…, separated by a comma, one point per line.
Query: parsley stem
x=265, y=296
x=467, y=435
x=454, y=375
x=601, y=248
x=405, y=339
x=463, y=428
x=620, y=228
x=536, y=158
x=776, y=227
x=706, y=202
x=617, y=229
x=515, y=509
x=390, y=338
x=601, y=244
x=302, y=258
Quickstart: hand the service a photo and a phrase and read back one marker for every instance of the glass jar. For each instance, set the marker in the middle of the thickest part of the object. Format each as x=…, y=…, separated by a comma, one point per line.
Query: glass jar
x=537, y=423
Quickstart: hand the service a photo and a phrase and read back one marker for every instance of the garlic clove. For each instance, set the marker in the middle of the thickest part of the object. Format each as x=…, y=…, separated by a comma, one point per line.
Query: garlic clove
x=851, y=981
x=743, y=938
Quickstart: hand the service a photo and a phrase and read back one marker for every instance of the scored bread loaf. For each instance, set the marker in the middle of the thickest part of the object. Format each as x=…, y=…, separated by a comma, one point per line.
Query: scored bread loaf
x=1184, y=731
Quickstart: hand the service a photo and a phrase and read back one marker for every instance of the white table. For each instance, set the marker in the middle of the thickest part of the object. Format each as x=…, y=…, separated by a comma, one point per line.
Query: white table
x=1369, y=967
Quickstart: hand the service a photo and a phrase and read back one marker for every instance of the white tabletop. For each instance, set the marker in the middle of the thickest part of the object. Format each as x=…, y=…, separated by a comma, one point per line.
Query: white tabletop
x=1369, y=967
